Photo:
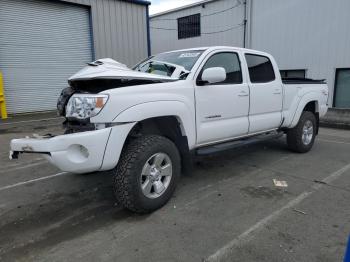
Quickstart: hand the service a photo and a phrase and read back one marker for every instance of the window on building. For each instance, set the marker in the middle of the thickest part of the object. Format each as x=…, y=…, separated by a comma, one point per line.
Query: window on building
x=260, y=68
x=189, y=26
x=342, y=88
x=294, y=73
x=230, y=62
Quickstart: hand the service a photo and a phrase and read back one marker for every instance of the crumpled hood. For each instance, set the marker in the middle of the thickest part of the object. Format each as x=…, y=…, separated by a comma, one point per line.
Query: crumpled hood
x=104, y=74
x=108, y=68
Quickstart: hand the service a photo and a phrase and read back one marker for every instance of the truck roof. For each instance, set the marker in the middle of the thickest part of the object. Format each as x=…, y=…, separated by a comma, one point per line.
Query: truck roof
x=212, y=48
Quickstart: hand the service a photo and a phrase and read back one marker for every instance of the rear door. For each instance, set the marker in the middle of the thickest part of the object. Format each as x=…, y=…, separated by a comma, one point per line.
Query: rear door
x=266, y=95
x=222, y=108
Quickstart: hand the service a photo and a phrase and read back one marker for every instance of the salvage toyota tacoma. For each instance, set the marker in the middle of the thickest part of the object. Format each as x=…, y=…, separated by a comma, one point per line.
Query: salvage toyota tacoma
x=144, y=124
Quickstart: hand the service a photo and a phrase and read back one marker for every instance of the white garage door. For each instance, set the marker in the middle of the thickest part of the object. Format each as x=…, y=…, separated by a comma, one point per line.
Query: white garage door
x=42, y=43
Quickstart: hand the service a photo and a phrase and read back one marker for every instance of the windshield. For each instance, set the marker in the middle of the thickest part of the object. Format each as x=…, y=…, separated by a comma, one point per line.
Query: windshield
x=154, y=64
x=155, y=67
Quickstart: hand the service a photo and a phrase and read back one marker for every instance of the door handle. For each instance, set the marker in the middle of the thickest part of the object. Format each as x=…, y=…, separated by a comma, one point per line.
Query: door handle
x=242, y=94
x=277, y=92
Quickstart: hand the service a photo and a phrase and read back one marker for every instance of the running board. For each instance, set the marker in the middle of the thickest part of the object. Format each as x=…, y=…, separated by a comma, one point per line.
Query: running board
x=207, y=150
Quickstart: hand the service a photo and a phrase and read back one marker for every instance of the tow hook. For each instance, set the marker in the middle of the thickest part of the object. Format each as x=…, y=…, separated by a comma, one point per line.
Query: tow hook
x=13, y=155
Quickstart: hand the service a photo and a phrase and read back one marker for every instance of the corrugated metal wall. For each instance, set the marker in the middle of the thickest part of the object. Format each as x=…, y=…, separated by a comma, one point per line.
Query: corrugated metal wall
x=230, y=20
x=119, y=29
x=312, y=35
x=41, y=44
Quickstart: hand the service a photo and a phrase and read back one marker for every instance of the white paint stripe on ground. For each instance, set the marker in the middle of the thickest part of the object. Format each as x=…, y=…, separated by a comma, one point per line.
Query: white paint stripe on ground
x=333, y=141
x=225, y=253
x=194, y=201
x=33, y=180
x=29, y=121
x=16, y=164
x=22, y=167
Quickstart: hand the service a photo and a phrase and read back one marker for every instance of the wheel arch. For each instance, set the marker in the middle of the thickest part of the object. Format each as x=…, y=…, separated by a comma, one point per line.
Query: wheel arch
x=167, y=126
x=309, y=102
x=313, y=106
x=161, y=111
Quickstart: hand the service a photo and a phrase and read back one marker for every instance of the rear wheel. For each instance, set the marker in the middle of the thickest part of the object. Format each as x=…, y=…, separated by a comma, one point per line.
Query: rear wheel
x=147, y=173
x=301, y=138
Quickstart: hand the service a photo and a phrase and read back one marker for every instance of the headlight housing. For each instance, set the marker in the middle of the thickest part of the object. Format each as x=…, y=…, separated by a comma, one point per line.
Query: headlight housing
x=84, y=106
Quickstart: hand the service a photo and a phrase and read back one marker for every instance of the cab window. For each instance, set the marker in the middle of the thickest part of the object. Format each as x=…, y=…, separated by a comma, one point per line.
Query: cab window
x=230, y=62
x=260, y=68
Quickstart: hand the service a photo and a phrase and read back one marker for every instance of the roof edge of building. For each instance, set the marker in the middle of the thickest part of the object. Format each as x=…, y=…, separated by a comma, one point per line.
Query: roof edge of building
x=139, y=2
x=181, y=8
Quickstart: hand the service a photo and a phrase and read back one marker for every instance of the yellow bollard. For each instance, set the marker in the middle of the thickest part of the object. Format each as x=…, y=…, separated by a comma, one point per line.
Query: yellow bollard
x=3, y=112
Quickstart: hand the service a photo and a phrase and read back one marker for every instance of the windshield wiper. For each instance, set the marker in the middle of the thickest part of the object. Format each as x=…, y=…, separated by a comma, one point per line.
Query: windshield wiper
x=168, y=69
x=183, y=75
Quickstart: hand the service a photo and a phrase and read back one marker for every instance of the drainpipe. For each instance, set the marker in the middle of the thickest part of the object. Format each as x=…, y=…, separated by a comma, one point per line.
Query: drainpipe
x=245, y=23
x=148, y=32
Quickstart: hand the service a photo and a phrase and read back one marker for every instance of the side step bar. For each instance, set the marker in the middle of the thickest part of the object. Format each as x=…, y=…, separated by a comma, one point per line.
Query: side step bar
x=206, y=150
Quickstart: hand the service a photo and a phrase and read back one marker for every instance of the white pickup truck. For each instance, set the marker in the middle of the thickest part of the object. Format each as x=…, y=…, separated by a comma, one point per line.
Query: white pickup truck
x=145, y=123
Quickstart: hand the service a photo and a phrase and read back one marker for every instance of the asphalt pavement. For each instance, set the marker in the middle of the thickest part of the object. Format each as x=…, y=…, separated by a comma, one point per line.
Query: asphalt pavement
x=228, y=209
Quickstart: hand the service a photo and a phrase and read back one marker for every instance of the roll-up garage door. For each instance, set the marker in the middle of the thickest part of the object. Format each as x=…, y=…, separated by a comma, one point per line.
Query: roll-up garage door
x=42, y=43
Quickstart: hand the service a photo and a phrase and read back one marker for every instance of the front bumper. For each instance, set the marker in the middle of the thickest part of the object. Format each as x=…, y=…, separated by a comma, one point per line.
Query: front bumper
x=79, y=152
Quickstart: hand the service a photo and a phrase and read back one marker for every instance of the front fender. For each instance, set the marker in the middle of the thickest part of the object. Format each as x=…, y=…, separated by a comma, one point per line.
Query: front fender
x=143, y=111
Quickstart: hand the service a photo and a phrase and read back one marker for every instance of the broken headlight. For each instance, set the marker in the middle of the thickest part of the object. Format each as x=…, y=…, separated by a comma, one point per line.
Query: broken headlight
x=83, y=106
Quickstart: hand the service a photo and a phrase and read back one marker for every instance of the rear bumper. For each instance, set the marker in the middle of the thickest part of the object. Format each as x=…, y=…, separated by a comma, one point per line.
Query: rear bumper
x=79, y=152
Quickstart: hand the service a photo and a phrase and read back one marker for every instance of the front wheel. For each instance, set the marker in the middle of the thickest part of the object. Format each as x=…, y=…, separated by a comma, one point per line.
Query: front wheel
x=147, y=173
x=301, y=138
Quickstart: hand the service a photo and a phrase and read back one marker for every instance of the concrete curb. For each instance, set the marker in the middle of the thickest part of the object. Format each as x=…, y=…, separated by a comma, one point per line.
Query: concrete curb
x=29, y=117
x=336, y=118
x=335, y=125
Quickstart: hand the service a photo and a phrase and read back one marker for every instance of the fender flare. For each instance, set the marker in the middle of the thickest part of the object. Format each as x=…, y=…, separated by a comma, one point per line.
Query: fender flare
x=304, y=100
x=147, y=110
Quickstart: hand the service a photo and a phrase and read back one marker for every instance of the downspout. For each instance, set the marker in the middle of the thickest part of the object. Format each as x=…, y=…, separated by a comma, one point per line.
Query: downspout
x=93, y=54
x=245, y=23
x=148, y=32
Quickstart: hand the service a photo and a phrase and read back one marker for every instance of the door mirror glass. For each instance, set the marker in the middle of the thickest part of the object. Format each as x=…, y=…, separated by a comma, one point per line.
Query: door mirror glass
x=214, y=75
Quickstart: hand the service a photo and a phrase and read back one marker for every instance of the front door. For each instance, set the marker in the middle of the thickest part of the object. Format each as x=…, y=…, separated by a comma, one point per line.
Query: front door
x=265, y=112
x=222, y=108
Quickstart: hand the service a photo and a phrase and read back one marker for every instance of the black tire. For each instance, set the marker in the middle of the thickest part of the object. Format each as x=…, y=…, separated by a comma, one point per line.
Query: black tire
x=294, y=135
x=127, y=174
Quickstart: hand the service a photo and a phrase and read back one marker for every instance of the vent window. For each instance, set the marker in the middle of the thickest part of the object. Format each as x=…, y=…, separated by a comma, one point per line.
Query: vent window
x=189, y=26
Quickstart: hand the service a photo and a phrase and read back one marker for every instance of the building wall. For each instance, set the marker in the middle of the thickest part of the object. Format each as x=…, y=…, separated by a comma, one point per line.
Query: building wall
x=312, y=35
x=44, y=42
x=165, y=40
x=119, y=29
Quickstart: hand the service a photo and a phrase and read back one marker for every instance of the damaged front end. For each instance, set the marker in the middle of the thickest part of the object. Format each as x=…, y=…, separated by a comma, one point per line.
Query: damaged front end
x=78, y=153
x=84, y=146
x=98, y=76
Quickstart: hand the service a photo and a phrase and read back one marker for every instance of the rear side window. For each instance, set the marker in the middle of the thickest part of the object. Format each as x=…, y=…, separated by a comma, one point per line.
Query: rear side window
x=260, y=68
x=230, y=62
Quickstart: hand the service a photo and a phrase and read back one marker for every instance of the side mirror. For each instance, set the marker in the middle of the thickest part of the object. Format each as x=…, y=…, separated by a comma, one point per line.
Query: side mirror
x=214, y=75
